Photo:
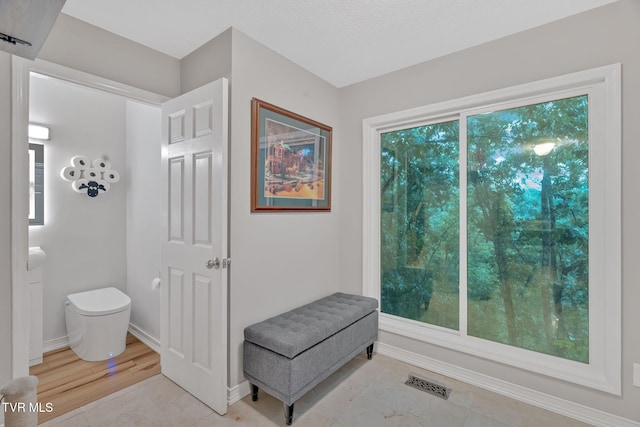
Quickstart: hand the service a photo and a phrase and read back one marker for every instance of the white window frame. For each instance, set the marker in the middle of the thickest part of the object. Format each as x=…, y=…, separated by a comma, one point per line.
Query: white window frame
x=603, y=87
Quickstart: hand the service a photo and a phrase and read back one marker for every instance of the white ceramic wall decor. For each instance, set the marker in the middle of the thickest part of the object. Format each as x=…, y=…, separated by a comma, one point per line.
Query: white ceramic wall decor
x=90, y=177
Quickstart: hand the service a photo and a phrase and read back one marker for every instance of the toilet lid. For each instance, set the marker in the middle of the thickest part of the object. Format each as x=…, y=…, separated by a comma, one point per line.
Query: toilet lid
x=100, y=301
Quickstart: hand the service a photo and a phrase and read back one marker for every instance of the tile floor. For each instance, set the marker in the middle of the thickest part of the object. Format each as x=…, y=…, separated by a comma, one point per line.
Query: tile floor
x=362, y=393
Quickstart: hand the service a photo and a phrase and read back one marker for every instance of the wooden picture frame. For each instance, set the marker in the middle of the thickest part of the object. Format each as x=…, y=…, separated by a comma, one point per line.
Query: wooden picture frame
x=290, y=161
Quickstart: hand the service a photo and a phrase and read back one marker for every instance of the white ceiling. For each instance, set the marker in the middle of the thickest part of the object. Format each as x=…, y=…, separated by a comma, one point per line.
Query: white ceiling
x=341, y=41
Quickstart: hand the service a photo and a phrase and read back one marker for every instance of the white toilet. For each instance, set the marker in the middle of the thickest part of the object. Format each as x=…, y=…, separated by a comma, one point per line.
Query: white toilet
x=97, y=323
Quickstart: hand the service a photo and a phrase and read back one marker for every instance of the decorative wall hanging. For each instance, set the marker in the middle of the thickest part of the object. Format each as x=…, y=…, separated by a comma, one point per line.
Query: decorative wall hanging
x=90, y=177
x=290, y=161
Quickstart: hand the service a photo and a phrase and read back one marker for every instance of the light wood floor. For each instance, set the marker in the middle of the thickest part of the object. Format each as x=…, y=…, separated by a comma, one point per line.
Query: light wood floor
x=67, y=382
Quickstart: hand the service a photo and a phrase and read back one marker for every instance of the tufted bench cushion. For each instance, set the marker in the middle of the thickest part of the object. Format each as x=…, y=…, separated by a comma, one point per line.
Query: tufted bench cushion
x=295, y=331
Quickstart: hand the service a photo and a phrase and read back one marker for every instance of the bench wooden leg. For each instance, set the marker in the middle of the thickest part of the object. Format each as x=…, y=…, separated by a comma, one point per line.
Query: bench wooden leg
x=254, y=392
x=288, y=414
x=370, y=352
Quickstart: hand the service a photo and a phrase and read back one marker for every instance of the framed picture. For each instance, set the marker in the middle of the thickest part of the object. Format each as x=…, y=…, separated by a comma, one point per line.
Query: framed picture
x=290, y=161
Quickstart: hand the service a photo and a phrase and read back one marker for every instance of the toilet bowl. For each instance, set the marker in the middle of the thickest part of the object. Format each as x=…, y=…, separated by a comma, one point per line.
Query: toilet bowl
x=97, y=323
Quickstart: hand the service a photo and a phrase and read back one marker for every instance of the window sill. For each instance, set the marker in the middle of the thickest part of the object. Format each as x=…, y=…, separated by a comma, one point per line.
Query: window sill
x=589, y=375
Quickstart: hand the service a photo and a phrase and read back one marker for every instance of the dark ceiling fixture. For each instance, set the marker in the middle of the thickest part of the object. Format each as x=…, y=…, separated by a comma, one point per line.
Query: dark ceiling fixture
x=26, y=24
x=13, y=40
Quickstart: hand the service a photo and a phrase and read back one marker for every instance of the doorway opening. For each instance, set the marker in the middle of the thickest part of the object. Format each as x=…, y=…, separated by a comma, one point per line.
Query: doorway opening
x=87, y=238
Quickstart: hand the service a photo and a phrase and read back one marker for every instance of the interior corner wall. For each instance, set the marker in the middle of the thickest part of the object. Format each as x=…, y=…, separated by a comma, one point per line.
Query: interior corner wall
x=280, y=260
x=143, y=214
x=5, y=220
x=598, y=37
x=84, y=47
x=207, y=63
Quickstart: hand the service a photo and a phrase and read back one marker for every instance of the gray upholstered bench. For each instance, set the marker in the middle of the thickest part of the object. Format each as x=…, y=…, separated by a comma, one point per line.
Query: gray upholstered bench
x=287, y=355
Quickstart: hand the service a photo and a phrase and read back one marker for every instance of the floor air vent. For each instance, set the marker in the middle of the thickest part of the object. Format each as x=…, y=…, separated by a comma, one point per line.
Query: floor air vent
x=429, y=386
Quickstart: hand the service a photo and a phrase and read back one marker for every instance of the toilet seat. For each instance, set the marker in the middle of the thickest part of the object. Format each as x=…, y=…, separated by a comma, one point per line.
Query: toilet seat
x=99, y=302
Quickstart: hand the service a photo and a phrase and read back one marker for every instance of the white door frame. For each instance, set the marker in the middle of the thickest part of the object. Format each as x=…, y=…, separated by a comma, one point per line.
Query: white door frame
x=21, y=69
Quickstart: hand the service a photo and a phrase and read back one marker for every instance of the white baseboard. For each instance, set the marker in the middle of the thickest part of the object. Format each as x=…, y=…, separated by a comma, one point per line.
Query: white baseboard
x=141, y=334
x=55, y=344
x=152, y=342
x=33, y=362
x=236, y=393
x=523, y=394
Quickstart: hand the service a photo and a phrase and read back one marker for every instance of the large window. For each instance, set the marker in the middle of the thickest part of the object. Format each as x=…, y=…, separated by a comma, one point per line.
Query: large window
x=497, y=224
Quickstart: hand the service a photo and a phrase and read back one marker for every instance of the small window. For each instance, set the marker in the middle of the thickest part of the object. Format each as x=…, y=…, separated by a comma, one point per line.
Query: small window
x=36, y=184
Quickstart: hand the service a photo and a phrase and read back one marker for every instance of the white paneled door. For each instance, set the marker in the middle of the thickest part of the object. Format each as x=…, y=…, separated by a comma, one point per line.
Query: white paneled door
x=194, y=244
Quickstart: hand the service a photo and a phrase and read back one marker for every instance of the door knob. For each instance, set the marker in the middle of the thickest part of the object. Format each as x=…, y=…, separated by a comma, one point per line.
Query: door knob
x=213, y=263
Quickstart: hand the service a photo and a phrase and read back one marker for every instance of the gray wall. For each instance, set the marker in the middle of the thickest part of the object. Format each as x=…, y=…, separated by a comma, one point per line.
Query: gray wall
x=5, y=218
x=280, y=260
x=603, y=36
x=82, y=46
x=207, y=63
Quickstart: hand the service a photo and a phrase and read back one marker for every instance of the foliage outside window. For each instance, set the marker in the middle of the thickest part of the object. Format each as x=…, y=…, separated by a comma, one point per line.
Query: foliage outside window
x=419, y=223
x=527, y=226
x=498, y=233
